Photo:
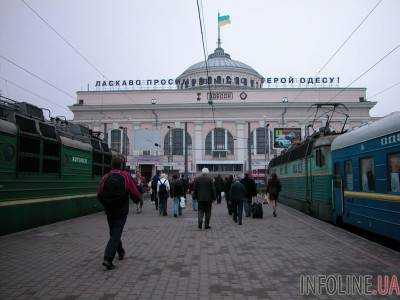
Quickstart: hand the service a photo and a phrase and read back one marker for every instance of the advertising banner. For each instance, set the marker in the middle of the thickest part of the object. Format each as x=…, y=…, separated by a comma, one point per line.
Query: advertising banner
x=284, y=137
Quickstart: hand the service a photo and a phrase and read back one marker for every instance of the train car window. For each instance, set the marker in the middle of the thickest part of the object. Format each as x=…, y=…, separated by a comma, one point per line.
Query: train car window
x=319, y=158
x=47, y=131
x=367, y=174
x=348, y=170
x=26, y=125
x=394, y=173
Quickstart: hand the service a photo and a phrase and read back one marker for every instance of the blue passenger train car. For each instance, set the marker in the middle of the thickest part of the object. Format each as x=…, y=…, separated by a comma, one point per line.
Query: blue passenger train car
x=366, y=177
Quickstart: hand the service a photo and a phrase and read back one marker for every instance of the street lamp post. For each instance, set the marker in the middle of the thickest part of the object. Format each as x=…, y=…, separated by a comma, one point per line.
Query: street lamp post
x=123, y=141
x=154, y=102
x=266, y=135
x=284, y=100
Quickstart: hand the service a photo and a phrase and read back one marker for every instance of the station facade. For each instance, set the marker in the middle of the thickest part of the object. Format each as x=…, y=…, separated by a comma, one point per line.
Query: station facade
x=234, y=120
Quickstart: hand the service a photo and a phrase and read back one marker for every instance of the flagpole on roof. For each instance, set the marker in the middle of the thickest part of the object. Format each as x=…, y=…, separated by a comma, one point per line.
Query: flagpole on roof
x=219, y=33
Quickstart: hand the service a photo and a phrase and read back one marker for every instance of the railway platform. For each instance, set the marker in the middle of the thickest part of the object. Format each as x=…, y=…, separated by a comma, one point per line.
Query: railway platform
x=170, y=258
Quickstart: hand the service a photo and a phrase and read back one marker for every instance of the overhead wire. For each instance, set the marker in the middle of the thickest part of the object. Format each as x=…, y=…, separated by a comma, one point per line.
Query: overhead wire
x=37, y=76
x=366, y=71
x=210, y=102
x=79, y=53
x=344, y=42
x=35, y=94
x=384, y=90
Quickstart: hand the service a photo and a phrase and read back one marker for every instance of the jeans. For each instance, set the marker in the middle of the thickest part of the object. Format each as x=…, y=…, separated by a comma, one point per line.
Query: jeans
x=162, y=205
x=238, y=210
x=154, y=198
x=204, y=211
x=116, y=226
x=247, y=207
x=218, y=197
x=177, y=209
x=194, y=204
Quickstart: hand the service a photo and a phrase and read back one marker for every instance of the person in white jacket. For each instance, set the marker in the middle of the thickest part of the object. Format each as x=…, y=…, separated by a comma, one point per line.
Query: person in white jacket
x=163, y=189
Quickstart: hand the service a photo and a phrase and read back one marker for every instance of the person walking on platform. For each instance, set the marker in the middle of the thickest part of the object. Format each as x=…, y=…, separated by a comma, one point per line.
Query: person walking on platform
x=227, y=190
x=219, y=187
x=177, y=191
x=185, y=184
x=194, y=200
x=204, y=192
x=113, y=192
x=238, y=197
x=251, y=191
x=137, y=181
x=273, y=189
x=163, y=189
x=154, y=181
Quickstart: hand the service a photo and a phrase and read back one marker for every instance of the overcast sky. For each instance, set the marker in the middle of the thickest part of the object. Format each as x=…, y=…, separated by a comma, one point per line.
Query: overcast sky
x=132, y=39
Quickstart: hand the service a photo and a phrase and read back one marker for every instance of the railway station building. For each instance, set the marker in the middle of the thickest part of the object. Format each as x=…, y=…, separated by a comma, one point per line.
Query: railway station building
x=235, y=118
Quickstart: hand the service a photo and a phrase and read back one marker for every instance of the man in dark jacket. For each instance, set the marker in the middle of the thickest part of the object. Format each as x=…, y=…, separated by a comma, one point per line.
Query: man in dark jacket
x=219, y=187
x=227, y=189
x=237, y=196
x=154, y=181
x=251, y=191
x=176, y=192
x=113, y=192
x=204, y=192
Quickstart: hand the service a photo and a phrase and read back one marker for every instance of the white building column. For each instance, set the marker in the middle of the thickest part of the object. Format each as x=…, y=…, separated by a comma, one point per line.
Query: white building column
x=198, y=143
x=240, y=142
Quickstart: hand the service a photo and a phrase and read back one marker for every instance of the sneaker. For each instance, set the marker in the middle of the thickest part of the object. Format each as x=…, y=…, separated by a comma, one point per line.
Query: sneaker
x=109, y=265
x=240, y=223
x=274, y=214
x=207, y=227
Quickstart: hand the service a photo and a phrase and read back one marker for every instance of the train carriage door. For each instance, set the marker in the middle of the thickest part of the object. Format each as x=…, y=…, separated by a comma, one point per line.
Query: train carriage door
x=337, y=192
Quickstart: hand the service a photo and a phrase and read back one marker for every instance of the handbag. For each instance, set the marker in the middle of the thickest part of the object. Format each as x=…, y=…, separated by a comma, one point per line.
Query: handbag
x=182, y=203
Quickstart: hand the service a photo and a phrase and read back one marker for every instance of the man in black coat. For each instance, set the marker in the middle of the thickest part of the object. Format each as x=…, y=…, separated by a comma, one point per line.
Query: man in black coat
x=204, y=192
x=251, y=191
x=237, y=196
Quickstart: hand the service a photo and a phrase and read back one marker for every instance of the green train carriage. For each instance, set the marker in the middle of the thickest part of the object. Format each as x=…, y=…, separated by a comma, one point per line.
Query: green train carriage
x=305, y=173
x=49, y=170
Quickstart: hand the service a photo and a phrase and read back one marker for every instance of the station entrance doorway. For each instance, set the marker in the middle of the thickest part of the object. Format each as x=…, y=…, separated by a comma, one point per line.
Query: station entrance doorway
x=146, y=170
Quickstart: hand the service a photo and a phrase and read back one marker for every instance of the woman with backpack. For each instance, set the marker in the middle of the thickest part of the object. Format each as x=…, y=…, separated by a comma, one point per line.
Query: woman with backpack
x=163, y=193
x=273, y=189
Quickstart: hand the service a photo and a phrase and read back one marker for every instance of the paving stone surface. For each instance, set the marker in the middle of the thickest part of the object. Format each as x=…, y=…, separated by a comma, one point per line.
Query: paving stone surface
x=170, y=258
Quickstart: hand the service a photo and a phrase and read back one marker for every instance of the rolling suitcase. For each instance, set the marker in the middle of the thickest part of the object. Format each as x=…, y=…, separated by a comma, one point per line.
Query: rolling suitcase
x=257, y=211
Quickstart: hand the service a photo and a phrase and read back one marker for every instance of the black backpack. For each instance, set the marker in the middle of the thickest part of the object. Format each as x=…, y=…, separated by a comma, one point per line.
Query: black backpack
x=162, y=190
x=114, y=190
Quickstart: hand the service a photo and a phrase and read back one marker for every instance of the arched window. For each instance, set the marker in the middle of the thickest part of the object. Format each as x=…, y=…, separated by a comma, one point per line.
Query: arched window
x=116, y=144
x=201, y=81
x=209, y=80
x=252, y=83
x=116, y=140
x=237, y=80
x=259, y=138
x=193, y=82
x=186, y=83
x=228, y=80
x=218, y=80
x=219, y=143
x=174, y=142
x=244, y=81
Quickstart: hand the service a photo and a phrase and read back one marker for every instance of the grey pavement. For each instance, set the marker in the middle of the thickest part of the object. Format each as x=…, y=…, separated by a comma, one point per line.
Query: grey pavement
x=170, y=258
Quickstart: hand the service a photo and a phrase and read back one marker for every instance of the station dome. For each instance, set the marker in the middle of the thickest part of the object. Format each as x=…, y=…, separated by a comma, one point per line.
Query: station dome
x=223, y=72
